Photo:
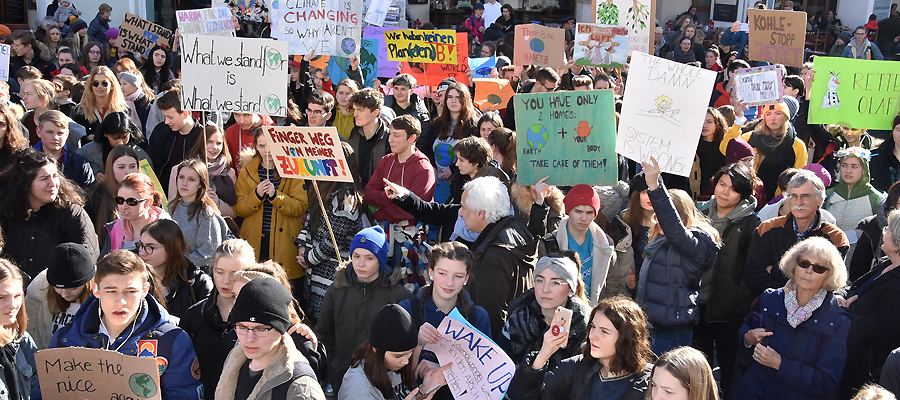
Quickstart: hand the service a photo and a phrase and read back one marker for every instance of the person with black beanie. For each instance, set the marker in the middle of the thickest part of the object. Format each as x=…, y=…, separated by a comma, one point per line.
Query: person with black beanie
x=57, y=292
x=383, y=368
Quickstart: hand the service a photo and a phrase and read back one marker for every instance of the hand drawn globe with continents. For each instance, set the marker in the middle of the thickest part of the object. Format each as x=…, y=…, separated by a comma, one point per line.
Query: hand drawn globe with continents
x=348, y=46
x=494, y=99
x=444, y=155
x=418, y=68
x=142, y=385
x=536, y=45
x=537, y=136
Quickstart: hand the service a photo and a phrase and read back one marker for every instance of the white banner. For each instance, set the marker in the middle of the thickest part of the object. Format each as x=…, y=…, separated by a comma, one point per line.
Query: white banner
x=5, y=49
x=322, y=27
x=759, y=85
x=234, y=74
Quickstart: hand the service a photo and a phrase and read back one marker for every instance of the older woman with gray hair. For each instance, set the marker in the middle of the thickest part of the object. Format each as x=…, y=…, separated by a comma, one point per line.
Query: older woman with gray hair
x=797, y=334
x=872, y=302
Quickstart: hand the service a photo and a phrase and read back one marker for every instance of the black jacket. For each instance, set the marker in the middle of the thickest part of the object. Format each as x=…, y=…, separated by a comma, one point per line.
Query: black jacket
x=426, y=142
x=429, y=212
x=419, y=110
x=884, y=168
x=161, y=143
x=571, y=380
x=187, y=293
x=868, y=247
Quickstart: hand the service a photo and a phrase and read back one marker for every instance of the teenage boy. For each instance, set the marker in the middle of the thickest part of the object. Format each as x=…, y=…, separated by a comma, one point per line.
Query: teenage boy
x=123, y=316
x=319, y=107
x=64, y=56
x=172, y=139
x=266, y=364
x=25, y=52
x=369, y=138
x=53, y=129
x=240, y=134
x=405, y=102
x=405, y=166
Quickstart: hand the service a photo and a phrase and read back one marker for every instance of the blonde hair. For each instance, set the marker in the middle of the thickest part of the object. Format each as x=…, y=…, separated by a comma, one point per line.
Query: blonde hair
x=10, y=271
x=238, y=249
x=872, y=391
x=825, y=251
x=116, y=100
x=689, y=215
x=689, y=366
x=43, y=88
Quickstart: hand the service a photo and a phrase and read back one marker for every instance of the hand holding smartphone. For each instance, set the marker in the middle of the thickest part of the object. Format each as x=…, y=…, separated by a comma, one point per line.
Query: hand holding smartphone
x=562, y=321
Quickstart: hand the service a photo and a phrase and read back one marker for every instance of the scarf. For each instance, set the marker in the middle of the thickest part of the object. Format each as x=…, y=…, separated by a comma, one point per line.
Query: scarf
x=220, y=181
x=123, y=231
x=683, y=57
x=525, y=327
x=766, y=144
x=797, y=314
x=130, y=99
x=10, y=371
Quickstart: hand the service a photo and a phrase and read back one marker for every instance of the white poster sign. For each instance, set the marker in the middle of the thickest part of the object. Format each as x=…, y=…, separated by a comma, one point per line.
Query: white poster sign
x=5, y=49
x=637, y=15
x=207, y=21
x=661, y=117
x=759, y=85
x=234, y=74
x=480, y=370
x=322, y=27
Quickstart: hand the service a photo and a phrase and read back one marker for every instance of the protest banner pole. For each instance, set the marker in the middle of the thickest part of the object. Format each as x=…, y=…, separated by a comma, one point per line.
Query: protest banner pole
x=337, y=251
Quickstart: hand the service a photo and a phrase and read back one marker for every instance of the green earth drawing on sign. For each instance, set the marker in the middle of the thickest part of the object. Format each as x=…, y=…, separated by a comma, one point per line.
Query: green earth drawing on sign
x=537, y=136
x=273, y=58
x=142, y=385
x=536, y=45
x=494, y=99
x=273, y=103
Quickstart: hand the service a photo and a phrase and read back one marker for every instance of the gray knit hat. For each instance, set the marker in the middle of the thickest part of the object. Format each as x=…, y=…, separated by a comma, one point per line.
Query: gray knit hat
x=563, y=267
x=613, y=198
x=133, y=78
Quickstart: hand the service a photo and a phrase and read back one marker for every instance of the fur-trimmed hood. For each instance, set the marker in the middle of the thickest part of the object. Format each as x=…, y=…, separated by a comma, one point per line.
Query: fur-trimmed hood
x=523, y=197
x=279, y=371
x=245, y=155
x=345, y=276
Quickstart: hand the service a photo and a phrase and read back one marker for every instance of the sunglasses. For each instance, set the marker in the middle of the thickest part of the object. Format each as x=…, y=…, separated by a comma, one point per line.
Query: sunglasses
x=99, y=83
x=131, y=201
x=805, y=264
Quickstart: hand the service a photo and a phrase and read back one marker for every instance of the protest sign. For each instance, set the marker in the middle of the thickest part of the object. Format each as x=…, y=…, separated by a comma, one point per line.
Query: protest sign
x=662, y=117
x=368, y=60
x=137, y=35
x=377, y=12
x=432, y=74
x=234, y=74
x=4, y=62
x=601, y=45
x=480, y=370
x=759, y=85
x=481, y=67
x=148, y=170
x=636, y=15
x=492, y=94
x=414, y=45
x=78, y=373
x=326, y=27
x=207, y=21
x=568, y=136
x=386, y=68
x=861, y=94
x=539, y=45
x=777, y=36
x=308, y=153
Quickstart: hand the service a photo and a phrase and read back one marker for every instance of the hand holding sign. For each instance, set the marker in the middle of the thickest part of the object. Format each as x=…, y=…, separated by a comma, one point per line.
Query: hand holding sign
x=428, y=334
x=651, y=173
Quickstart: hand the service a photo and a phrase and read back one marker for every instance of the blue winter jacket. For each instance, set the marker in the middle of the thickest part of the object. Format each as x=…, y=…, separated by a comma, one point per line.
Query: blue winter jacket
x=812, y=354
x=74, y=166
x=670, y=277
x=176, y=382
x=739, y=38
x=479, y=317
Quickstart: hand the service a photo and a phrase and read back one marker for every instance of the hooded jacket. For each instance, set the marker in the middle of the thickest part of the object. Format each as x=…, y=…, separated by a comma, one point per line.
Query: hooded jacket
x=238, y=138
x=603, y=256
x=288, y=373
x=721, y=288
x=416, y=174
x=347, y=312
x=177, y=380
x=97, y=29
x=616, y=284
x=419, y=110
x=851, y=205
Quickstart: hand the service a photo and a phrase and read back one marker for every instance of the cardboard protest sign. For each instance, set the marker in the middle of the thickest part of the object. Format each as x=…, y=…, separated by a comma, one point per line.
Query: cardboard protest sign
x=539, y=45
x=432, y=74
x=414, y=45
x=759, y=85
x=636, y=15
x=137, y=35
x=662, y=117
x=861, y=94
x=234, y=74
x=480, y=370
x=327, y=27
x=5, y=49
x=78, y=373
x=492, y=94
x=568, y=136
x=207, y=21
x=777, y=36
x=481, y=67
x=308, y=153
x=601, y=45
x=386, y=68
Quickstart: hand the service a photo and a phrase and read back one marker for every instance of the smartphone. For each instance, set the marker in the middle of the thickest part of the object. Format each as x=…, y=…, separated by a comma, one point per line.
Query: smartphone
x=422, y=395
x=563, y=319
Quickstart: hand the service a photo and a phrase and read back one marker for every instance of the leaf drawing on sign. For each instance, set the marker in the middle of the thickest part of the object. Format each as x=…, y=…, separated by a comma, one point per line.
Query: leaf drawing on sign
x=639, y=15
x=662, y=108
x=607, y=13
x=831, y=96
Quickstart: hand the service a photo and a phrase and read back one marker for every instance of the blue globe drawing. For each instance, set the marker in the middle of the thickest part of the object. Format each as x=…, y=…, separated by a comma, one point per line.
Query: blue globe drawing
x=444, y=155
x=537, y=136
x=348, y=45
x=536, y=45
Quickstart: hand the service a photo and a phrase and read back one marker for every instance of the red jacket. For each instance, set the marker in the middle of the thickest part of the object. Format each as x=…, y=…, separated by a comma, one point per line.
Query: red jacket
x=238, y=138
x=416, y=174
x=722, y=96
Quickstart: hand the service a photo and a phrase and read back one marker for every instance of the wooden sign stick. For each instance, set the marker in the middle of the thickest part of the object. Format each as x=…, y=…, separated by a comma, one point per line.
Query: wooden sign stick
x=337, y=251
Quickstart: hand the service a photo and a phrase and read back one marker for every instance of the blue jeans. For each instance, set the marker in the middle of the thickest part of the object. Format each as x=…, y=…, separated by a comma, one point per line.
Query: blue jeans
x=663, y=341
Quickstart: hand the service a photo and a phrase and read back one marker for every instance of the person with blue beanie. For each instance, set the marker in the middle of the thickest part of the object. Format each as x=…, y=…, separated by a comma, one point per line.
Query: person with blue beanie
x=362, y=286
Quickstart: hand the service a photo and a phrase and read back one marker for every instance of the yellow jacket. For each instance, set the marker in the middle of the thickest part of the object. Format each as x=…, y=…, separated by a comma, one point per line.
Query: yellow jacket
x=289, y=205
x=800, y=155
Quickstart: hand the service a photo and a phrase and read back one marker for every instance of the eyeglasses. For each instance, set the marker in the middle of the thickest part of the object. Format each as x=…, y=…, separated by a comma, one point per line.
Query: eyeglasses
x=554, y=284
x=317, y=112
x=94, y=52
x=804, y=196
x=131, y=201
x=549, y=89
x=99, y=83
x=144, y=248
x=805, y=264
x=258, y=331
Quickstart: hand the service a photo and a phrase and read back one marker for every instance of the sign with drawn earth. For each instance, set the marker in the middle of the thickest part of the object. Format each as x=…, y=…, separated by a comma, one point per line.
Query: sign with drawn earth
x=636, y=15
x=568, y=136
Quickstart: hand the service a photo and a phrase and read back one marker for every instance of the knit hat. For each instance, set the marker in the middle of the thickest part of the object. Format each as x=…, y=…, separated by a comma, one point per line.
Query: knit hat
x=637, y=184
x=845, y=36
x=78, y=25
x=582, y=195
x=778, y=107
x=4, y=30
x=264, y=301
x=793, y=106
x=821, y=172
x=112, y=33
x=372, y=239
x=133, y=78
x=613, y=198
x=70, y=266
x=736, y=150
x=563, y=267
x=445, y=84
x=393, y=330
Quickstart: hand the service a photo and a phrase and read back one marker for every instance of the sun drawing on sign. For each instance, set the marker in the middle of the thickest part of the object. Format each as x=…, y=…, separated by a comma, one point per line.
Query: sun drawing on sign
x=663, y=108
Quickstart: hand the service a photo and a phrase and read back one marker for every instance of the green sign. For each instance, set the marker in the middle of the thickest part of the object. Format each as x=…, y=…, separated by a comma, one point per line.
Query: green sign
x=568, y=136
x=861, y=94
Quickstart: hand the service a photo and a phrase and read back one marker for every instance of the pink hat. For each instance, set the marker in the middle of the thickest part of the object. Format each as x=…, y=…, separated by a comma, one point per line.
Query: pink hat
x=821, y=172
